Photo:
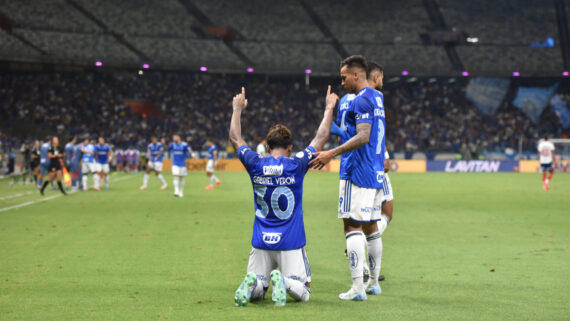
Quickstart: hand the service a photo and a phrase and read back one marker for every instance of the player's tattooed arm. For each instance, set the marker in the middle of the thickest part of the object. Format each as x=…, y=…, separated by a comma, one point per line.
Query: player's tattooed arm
x=238, y=104
x=325, y=127
x=360, y=139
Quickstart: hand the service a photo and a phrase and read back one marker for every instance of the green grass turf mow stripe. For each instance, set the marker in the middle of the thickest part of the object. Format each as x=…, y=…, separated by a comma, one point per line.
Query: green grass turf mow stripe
x=460, y=247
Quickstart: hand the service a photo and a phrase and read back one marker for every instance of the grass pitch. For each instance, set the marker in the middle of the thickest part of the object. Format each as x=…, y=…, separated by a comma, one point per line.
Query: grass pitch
x=460, y=247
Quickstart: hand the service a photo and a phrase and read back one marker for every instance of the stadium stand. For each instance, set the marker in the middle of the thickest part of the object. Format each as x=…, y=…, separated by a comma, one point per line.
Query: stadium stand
x=426, y=115
x=285, y=36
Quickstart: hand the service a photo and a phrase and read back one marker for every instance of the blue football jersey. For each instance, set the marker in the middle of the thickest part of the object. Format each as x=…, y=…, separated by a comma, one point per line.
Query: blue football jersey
x=76, y=154
x=365, y=166
x=69, y=152
x=88, y=158
x=155, y=152
x=211, y=151
x=343, y=110
x=278, y=198
x=44, y=153
x=102, y=152
x=179, y=153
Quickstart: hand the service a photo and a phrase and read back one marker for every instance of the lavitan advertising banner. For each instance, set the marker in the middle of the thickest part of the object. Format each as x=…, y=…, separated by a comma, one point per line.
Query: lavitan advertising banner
x=472, y=166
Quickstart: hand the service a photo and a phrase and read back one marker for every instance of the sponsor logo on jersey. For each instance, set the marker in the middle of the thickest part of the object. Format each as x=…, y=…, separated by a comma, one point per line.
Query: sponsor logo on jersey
x=271, y=238
x=363, y=116
x=343, y=106
x=380, y=176
x=273, y=170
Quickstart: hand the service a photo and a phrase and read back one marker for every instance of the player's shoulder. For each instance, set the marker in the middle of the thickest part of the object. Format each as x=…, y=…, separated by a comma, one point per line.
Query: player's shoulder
x=348, y=97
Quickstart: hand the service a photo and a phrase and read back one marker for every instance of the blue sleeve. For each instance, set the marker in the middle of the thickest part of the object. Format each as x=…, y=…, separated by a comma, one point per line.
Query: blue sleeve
x=247, y=156
x=363, y=110
x=303, y=158
x=337, y=131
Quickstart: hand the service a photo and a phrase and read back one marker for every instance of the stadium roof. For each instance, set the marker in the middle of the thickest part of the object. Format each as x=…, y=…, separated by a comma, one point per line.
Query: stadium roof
x=423, y=37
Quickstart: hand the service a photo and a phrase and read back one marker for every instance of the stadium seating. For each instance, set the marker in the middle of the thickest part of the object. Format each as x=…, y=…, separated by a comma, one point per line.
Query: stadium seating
x=424, y=116
x=282, y=36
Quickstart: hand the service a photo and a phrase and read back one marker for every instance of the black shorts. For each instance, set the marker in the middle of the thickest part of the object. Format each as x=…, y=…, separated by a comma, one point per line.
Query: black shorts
x=35, y=164
x=53, y=166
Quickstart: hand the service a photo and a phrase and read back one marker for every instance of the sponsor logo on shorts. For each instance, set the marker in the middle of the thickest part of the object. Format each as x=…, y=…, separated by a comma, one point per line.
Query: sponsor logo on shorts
x=271, y=238
x=366, y=209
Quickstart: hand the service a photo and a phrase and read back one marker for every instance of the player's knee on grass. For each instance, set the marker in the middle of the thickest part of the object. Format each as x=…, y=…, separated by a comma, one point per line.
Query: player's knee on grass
x=260, y=289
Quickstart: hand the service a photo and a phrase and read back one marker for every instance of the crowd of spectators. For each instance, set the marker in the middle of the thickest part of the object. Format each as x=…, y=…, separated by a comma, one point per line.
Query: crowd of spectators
x=425, y=114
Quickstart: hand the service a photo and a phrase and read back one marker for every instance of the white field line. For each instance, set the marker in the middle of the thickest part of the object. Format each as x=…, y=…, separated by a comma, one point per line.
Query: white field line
x=49, y=198
x=29, y=203
x=14, y=196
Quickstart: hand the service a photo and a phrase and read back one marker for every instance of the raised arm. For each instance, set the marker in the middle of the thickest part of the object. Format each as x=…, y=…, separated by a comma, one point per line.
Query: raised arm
x=325, y=127
x=238, y=104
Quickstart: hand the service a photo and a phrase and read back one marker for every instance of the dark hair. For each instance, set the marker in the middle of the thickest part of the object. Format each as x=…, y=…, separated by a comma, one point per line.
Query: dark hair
x=356, y=61
x=372, y=67
x=279, y=136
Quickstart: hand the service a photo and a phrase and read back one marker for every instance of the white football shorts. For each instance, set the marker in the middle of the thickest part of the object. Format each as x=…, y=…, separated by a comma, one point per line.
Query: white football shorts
x=157, y=166
x=179, y=170
x=292, y=264
x=359, y=204
x=87, y=168
x=387, y=187
x=210, y=166
x=102, y=168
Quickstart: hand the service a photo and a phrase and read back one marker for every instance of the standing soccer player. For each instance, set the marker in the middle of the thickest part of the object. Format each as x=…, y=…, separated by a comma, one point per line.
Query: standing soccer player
x=212, y=157
x=104, y=156
x=375, y=76
x=179, y=151
x=546, y=152
x=261, y=150
x=87, y=163
x=69, y=163
x=362, y=174
x=155, y=155
x=36, y=160
x=56, y=155
x=26, y=151
x=278, y=230
x=119, y=159
x=44, y=161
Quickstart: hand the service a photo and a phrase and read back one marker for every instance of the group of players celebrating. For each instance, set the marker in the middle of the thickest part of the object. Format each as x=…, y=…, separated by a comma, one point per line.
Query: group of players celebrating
x=49, y=160
x=278, y=257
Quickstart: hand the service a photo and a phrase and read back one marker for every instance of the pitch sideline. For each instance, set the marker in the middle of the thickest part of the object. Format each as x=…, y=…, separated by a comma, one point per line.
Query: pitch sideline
x=49, y=198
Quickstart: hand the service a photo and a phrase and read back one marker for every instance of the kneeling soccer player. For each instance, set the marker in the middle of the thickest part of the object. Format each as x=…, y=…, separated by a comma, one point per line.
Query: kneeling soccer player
x=278, y=231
